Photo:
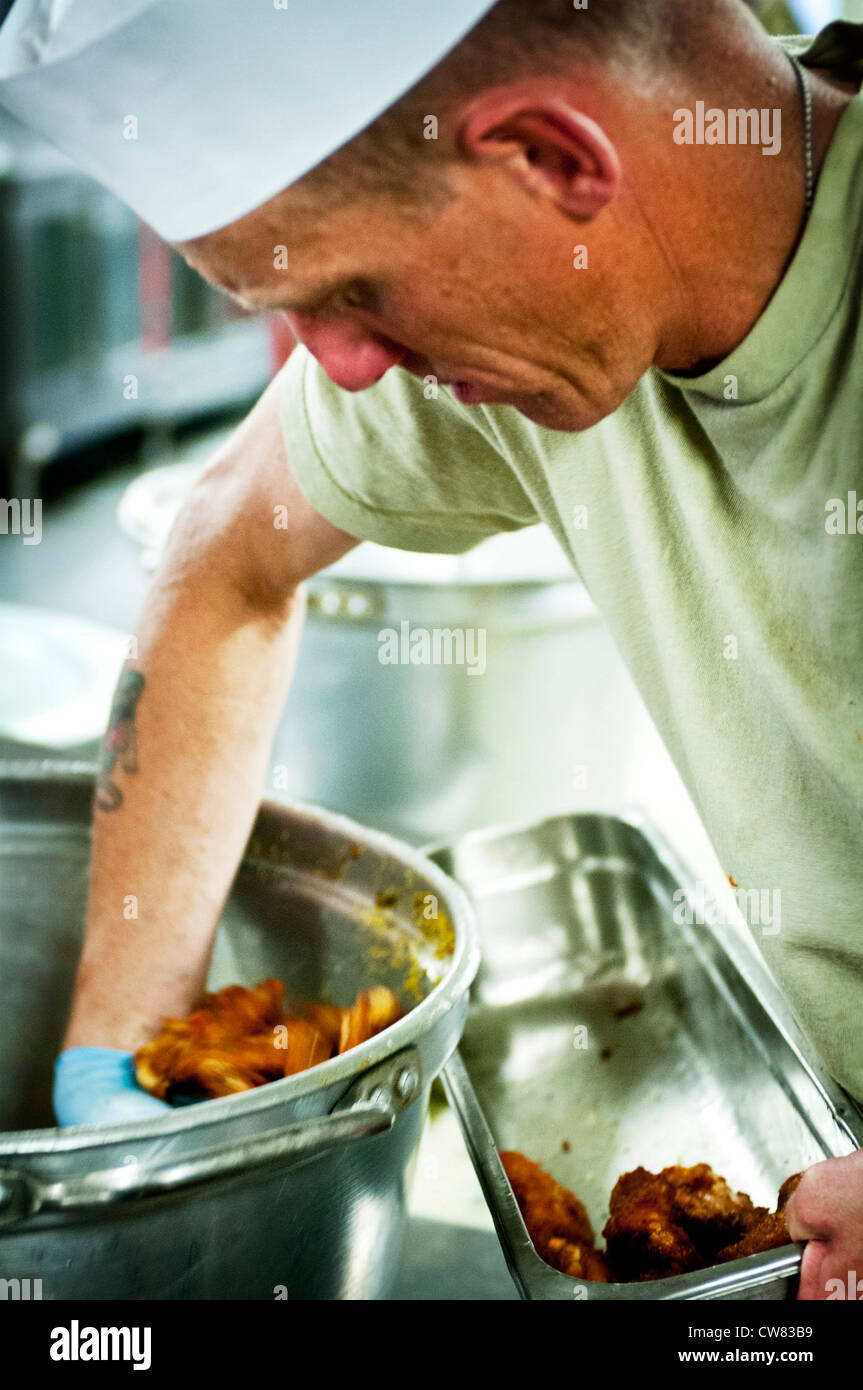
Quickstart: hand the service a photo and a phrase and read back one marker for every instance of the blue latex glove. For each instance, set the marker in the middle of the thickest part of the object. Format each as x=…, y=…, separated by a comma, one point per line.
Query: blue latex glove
x=97, y=1086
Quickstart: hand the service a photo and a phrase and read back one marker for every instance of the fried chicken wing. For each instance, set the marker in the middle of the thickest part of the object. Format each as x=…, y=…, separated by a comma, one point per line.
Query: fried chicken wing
x=239, y=1065
x=643, y=1238
x=697, y=1221
x=672, y=1222
x=578, y=1261
x=302, y=1045
x=706, y=1208
x=374, y=1010
x=240, y=1038
x=548, y=1207
x=767, y=1231
x=235, y=1011
x=327, y=1018
x=659, y=1225
x=788, y=1187
x=556, y=1220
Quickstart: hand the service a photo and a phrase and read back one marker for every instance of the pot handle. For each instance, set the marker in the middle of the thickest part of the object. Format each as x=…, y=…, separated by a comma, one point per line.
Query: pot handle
x=370, y=1106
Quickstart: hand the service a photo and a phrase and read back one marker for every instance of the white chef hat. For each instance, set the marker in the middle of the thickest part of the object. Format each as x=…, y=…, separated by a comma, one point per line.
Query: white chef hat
x=197, y=111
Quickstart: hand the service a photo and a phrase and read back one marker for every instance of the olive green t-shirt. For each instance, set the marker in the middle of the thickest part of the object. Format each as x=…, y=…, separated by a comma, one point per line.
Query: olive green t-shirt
x=714, y=520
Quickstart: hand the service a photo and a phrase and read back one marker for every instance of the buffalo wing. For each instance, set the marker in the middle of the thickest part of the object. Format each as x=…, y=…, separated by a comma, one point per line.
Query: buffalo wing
x=240, y=1038
x=660, y=1224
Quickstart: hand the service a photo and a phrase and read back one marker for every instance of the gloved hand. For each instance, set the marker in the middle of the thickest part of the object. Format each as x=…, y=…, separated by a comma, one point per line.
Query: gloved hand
x=96, y=1085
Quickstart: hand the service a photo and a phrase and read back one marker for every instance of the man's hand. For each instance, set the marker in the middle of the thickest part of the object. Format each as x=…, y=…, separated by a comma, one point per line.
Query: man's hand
x=97, y=1086
x=826, y=1210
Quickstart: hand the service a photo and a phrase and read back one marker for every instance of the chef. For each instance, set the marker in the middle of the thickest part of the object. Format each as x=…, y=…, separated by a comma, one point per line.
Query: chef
x=524, y=290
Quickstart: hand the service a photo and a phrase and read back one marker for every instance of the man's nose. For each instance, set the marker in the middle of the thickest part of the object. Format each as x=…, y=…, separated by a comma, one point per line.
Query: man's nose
x=352, y=358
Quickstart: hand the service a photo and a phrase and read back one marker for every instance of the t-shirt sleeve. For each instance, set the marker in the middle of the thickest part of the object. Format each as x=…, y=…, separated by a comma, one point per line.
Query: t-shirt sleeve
x=398, y=464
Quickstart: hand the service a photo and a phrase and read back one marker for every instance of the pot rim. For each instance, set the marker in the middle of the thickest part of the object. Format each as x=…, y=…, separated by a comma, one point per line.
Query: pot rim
x=336, y=1073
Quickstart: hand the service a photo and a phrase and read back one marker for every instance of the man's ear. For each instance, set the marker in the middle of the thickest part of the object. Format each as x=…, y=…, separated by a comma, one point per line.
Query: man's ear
x=548, y=146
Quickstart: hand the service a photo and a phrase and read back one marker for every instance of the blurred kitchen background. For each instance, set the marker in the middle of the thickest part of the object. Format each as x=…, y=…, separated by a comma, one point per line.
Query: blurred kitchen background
x=120, y=371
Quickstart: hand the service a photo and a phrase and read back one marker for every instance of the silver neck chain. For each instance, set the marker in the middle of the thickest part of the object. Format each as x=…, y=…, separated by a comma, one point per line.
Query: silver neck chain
x=808, y=127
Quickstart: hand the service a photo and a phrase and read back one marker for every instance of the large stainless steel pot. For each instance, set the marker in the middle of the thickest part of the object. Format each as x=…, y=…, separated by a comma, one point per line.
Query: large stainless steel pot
x=294, y=1190
x=433, y=750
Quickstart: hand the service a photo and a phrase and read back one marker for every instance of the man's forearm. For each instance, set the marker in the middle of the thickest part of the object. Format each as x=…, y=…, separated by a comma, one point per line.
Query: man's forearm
x=182, y=771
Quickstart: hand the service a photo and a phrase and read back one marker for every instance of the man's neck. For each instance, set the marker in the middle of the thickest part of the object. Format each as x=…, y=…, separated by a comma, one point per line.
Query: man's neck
x=744, y=246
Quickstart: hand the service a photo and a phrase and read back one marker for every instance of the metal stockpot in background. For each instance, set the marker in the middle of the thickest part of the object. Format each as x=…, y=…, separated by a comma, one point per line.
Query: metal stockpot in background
x=296, y=1189
x=430, y=749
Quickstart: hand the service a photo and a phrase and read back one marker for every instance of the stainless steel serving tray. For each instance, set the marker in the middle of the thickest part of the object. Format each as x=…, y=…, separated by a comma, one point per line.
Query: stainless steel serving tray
x=604, y=1034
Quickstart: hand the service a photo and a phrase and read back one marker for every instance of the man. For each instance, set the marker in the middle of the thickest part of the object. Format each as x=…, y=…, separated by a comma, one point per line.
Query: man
x=599, y=267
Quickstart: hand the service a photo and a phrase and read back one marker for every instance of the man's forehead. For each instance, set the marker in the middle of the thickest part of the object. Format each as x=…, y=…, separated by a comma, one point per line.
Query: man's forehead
x=291, y=255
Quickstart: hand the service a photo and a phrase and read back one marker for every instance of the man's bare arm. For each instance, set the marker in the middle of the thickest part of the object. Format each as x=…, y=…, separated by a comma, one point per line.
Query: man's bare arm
x=191, y=728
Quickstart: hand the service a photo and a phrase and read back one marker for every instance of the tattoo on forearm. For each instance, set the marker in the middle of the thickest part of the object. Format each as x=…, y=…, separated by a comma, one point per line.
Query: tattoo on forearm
x=120, y=749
